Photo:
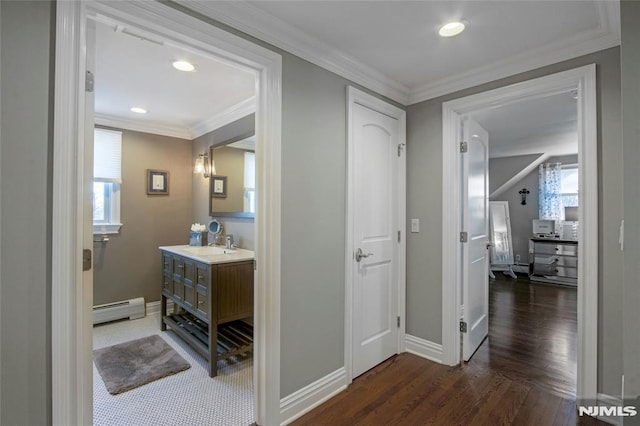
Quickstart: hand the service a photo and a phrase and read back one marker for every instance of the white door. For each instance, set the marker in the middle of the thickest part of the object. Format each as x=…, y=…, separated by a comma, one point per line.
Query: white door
x=475, y=222
x=375, y=164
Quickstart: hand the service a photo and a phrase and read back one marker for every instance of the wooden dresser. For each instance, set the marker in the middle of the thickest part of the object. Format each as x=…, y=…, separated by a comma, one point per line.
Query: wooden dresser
x=212, y=292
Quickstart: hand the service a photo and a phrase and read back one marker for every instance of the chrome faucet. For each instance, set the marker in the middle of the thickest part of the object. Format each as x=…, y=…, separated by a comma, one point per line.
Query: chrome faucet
x=229, y=241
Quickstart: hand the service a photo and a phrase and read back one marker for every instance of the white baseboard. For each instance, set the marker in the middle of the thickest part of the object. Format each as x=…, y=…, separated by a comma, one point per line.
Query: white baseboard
x=153, y=308
x=309, y=397
x=609, y=401
x=423, y=348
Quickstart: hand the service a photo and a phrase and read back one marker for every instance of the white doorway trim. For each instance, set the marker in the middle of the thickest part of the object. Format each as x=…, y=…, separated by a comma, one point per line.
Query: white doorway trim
x=584, y=80
x=356, y=96
x=71, y=301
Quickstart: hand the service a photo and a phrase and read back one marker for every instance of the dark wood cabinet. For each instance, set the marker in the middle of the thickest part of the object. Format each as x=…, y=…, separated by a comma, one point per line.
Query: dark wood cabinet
x=209, y=302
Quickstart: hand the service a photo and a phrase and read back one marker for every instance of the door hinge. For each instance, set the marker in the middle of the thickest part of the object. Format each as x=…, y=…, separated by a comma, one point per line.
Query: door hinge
x=89, y=81
x=398, y=322
x=86, y=259
x=399, y=236
x=400, y=148
x=464, y=147
x=463, y=327
x=463, y=237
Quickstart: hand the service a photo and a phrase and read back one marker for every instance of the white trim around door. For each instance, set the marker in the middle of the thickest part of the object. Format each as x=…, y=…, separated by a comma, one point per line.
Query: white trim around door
x=583, y=80
x=356, y=96
x=71, y=308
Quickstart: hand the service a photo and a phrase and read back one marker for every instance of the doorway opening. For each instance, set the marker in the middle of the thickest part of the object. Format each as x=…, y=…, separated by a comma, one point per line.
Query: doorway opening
x=581, y=81
x=189, y=111
x=532, y=297
x=72, y=224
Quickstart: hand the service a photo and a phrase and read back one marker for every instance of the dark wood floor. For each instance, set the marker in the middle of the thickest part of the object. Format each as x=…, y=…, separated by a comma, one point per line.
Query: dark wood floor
x=523, y=374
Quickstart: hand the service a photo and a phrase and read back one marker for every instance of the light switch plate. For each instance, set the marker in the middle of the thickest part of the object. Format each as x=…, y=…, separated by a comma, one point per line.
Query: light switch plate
x=415, y=225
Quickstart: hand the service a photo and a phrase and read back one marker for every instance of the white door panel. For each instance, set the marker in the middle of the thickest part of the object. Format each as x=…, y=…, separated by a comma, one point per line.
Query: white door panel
x=475, y=222
x=375, y=179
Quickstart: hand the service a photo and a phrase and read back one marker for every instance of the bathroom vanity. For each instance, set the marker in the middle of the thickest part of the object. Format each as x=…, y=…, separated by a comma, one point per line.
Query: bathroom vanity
x=212, y=292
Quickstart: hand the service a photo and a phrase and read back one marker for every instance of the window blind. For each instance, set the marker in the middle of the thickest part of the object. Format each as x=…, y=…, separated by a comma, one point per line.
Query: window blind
x=249, y=170
x=107, y=156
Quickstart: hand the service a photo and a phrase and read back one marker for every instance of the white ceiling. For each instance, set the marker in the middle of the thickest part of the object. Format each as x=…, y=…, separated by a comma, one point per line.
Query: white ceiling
x=132, y=71
x=545, y=125
x=392, y=47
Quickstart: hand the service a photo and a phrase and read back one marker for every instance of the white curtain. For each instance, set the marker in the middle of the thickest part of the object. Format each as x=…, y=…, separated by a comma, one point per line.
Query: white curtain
x=550, y=198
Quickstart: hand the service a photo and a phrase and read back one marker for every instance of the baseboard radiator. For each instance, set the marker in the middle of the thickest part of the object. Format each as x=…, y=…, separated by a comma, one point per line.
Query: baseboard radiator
x=132, y=309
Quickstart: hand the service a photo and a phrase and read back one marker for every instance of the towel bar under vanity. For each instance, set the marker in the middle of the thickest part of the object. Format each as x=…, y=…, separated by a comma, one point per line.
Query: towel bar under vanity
x=209, y=303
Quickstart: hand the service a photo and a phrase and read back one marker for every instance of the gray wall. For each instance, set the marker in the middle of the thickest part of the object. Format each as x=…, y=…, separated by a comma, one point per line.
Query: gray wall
x=313, y=218
x=243, y=230
x=424, y=186
x=521, y=216
x=631, y=131
x=504, y=168
x=26, y=175
x=128, y=265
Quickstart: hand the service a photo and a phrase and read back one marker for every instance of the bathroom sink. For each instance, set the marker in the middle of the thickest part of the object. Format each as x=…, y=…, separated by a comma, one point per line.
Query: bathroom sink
x=210, y=254
x=209, y=250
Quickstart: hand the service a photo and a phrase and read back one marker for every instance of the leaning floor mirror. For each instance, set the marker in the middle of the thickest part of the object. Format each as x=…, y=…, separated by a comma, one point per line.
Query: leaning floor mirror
x=501, y=253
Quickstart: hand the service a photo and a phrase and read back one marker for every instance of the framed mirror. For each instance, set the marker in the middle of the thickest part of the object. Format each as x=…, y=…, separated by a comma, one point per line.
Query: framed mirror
x=232, y=190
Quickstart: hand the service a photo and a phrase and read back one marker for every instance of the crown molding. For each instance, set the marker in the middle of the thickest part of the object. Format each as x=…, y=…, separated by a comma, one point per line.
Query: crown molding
x=144, y=127
x=604, y=36
x=229, y=115
x=257, y=23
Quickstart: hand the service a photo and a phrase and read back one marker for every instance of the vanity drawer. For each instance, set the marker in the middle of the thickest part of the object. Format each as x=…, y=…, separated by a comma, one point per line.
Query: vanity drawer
x=178, y=267
x=202, y=303
x=167, y=284
x=189, y=296
x=167, y=264
x=178, y=289
x=202, y=276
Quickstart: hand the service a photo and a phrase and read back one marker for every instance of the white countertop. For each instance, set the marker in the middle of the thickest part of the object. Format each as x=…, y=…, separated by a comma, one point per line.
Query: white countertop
x=210, y=254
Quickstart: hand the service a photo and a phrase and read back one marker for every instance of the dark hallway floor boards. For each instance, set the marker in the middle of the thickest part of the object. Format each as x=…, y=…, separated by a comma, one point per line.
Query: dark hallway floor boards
x=523, y=374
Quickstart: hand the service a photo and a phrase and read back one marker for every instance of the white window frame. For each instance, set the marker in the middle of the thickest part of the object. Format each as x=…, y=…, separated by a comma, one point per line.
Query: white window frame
x=249, y=193
x=568, y=167
x=113, y=224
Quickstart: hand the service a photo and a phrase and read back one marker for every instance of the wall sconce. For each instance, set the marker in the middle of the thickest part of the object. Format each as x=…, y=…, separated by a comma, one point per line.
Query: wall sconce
x=523, y=193
x=203, y=165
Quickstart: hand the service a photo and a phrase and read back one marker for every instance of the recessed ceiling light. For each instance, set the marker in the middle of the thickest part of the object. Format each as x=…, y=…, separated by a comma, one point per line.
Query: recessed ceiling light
x=184, y=66
x=451, y=29
x=138, y=110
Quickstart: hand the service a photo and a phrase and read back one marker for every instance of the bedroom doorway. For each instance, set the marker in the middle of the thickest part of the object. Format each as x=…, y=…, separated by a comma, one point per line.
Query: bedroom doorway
x=581, y=80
